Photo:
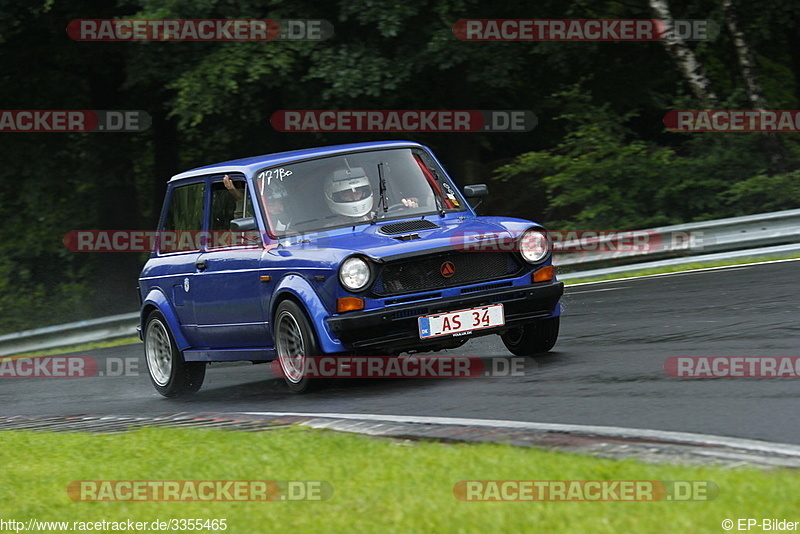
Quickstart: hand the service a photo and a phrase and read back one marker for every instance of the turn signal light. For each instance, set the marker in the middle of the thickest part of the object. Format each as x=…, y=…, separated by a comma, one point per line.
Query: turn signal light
x=545, y=274
x=346, y=304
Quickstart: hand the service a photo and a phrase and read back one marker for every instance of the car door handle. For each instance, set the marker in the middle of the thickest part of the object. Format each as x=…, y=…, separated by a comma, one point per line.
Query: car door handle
x=201, y=264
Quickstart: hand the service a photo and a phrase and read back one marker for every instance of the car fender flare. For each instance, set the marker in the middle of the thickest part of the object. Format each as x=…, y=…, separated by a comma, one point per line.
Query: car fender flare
x=297, y=287
x=157, y=299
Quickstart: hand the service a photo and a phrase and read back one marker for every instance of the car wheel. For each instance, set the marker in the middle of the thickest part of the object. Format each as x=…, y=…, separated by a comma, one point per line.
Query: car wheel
x=532, y=338
x=169, y=373
x=294, y=344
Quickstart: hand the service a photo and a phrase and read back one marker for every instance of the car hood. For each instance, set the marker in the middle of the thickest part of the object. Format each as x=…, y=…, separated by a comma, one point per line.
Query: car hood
x=454, y=233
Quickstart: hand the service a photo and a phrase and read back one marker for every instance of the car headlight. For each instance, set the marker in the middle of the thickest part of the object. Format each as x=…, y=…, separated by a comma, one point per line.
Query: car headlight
x=534, y=245
x=354, y=274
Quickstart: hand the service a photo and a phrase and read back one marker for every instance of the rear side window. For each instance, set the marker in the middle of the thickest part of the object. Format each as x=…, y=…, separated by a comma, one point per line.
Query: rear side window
x=184, y=220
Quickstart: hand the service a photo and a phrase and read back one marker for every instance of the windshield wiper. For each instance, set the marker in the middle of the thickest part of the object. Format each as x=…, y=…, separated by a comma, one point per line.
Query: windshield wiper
x=439, y=204
x=381, y=193
x=438, y=197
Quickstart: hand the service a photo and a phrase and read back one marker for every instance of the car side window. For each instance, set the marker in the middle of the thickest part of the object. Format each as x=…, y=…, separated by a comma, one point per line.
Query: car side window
x=184, y=219
x=229, y=200
x=228, y=204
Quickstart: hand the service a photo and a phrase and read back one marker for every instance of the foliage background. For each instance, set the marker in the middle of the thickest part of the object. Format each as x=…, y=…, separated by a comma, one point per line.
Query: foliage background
x=600, y=157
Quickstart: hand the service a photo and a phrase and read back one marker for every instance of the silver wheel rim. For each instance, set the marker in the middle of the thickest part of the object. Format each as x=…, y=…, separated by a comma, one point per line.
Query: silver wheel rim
x=291, y=348
x=159, y=352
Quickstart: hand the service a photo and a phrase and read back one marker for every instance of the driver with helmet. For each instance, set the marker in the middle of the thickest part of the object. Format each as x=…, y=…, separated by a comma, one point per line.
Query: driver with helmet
x=348, y=192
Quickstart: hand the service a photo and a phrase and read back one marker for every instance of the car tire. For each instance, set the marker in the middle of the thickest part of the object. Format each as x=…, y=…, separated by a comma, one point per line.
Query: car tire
x=532, y=338
x=170, y=374
x=294, y=342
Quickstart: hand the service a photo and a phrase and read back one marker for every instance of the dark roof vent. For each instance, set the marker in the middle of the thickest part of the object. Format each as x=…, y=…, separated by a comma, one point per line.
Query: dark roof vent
x=408, y=226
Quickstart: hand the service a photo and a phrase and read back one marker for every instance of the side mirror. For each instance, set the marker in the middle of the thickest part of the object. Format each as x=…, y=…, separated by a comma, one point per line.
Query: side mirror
x=476, y=191
x=244, y=225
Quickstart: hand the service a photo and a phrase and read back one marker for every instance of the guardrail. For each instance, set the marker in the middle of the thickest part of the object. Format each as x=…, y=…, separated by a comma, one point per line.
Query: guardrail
x=49, y=337
x=739, y=237
x=588, y=250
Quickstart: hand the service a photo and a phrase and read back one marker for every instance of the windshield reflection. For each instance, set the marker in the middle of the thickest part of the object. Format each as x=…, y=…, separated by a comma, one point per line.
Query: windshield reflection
x=353, y=189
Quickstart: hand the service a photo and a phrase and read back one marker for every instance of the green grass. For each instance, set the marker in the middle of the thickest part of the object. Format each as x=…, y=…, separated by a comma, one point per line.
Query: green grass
x=677, y=268
x=130, y=340
x=378, y=485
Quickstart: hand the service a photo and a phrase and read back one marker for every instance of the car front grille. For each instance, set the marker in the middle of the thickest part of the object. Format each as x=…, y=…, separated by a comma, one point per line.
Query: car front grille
x=425, y=273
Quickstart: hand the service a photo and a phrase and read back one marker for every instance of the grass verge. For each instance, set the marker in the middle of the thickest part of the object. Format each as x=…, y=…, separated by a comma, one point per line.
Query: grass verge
x=378, y=485
x=678, y=268
x=130, y=340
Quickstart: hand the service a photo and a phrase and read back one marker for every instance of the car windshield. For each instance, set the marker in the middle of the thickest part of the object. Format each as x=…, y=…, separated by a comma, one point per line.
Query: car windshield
x=353, y=189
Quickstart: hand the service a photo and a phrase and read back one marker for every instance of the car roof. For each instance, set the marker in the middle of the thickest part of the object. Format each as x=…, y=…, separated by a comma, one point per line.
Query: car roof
x=252, y=164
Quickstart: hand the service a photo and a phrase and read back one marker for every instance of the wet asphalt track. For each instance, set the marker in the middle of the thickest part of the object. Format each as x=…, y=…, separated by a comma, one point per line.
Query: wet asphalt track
x=607, y=368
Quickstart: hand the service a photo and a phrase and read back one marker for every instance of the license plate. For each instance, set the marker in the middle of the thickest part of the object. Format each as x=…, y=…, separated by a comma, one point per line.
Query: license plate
x=461, y=321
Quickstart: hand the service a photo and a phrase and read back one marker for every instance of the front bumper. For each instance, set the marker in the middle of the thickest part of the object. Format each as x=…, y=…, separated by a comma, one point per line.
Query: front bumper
x=395, y=327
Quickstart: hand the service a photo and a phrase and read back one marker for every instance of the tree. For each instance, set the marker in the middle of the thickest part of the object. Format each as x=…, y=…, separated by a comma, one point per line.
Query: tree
x=685, y=60
x=747, y=64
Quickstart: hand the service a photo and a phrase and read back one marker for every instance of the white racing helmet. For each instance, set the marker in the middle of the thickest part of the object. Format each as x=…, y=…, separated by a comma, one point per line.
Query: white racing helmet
x=338, y=188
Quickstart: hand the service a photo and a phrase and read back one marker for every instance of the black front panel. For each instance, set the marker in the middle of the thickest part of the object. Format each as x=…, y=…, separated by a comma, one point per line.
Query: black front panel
x=397, y=327
x=408, y=226
x=444, y=270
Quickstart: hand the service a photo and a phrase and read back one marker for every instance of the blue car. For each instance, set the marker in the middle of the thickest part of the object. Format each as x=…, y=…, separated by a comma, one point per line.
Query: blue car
x=361, y=249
